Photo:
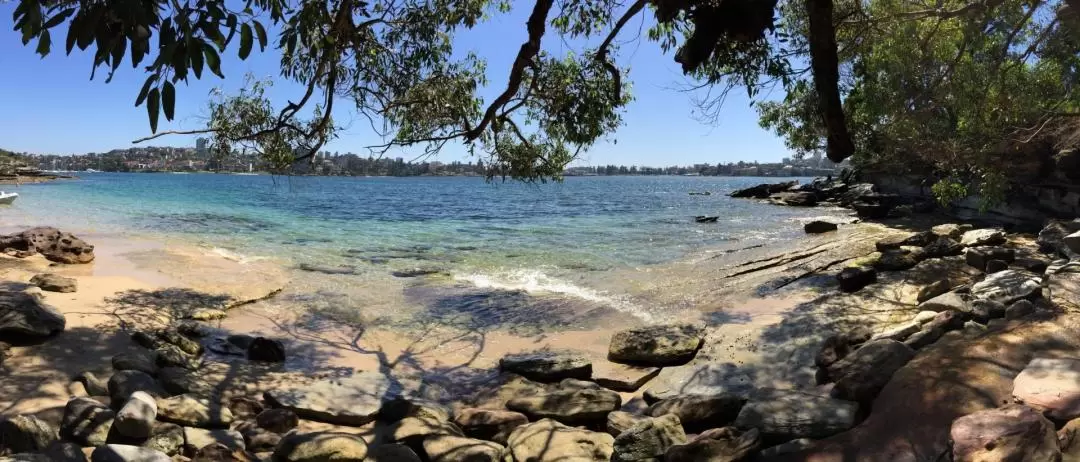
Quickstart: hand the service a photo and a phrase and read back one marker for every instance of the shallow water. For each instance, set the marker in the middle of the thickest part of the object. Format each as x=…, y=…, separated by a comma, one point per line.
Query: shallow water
x=494, y=241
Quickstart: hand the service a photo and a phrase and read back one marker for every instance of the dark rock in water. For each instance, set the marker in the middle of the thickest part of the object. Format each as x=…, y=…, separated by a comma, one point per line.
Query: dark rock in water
x=1013, y=432
x=994, y=266
x=266, y=349
x=660, y=345
x=943, y=247
x=699, y=412
x=705, y=219
x=818, y=227
x=55, y=283
x=24, y=317
x=240, y=340
x=762, y=191
x=648, y=440
x=861, y=375
x=854, y=278
x=784, y=415
x=795, y=199
x=86, y=422
x=726, y=444
x=25, y=433
x=327, y=269
x=978, y=257
x=572, y=407
x=547, y=366
x=51, y=243
x=417, y=272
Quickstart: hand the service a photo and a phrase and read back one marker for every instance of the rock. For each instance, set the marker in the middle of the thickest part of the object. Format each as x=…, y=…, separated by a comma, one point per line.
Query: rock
x=170, y=355
x=862, y=374
x=178, y=381
x=94, y=385
x=620, y=421
x=353, y=401
x=1006, y=286
x=86, y=422
x=145, y=340
x=568, y=406
x=54, y=283
x=277, y=420
x=978, y=257
x=787, y=448
x=54, y=245
x=417, y=272
x=1012, y=432
x=924, y=317
x=854, y=278
x=832, y=350
x=64, y=451
x=943, y=247
x=648, y=440
x=725, y=444
x=189, y=411
x=997, y=324
x=951, y=230
x=241, y=341
x=660, y=345
x=1033, y=265
x=547, y=366
x=699, y=412
x=924, y=337
x=994, y=266
x=1051, y=386
x=319, y=447
x=981, y=237
x=134, y=362
x=707, y=379
x=394, y=452
x=785, y=415
x=762, y=191
x=1051, y=237
x=420, y=427
x=257, y=439
x=1072, y=242
x=897, y=260
x=622, y=377
x=125, y=453
x=982, y=311
x=400, y=407
x=123, y=383
x=795, y=199
x=953, y=301
x=26, y=317
x=933, y=290
x=489, y=424
x=1019, y=309
x=221, y=453
x=222, y=347
x=194, y=329
x=900, y=332
x=450, y=448
x=946, y=320
x=136, y=418
x=1069, y=440
x=196, y=438
x=25, y=433
x=871, y=211
x=186, y=345
x=548, y=440
x=818, y=227
x=267, y=350
x=206, y=314
x=166, y=437
x=974, y=329
x=243, y=407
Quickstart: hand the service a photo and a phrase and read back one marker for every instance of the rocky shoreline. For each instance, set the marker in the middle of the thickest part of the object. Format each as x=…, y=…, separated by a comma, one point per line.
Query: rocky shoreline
x=656, y=395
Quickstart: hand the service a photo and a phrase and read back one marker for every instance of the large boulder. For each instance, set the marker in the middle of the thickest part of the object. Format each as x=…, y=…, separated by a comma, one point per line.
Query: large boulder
x=948, y=301
x=981, y=237
x=452, y=448
x=898, y=259
x=899, y=332
x=266, y=350
x=568, y=406
x=25, y=433
x=1050, y=385
x=86, y=422
x=547, y=366
x=191, y=411
x=24, y=317
x=137, y=361
x=55, y=283
x=549, y=441
x=837, y=346
x=933, y=289
x=862, y=374
x=125, y=453
x=178, y=381
x=648, y=440
x=818, y=227
x=699, y=412
x=196, y=438
x=320, y=447
x=51, y=243
x=1006, y=286
x=661, y=345
x=123, y=383
x=136, y=418
x=1052, y=237
x=620, y=421
x=489, y=424
x=795, y=198
x=708, y=379
x=763, y=190
x=1019, y=309
x=258, y=439
x=354, y=400
x=726, y=444
x=978, y=257
x=166, y=437
x=277, y=420
x=786, y=415
x=1011, y=433
x=854, y=278
x=943, y=247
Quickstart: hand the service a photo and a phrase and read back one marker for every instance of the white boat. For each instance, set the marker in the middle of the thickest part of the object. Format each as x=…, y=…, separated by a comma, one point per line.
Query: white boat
x=7, y=198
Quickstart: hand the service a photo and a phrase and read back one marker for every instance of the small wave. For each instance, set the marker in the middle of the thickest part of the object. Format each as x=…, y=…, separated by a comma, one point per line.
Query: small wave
x=535, y=281
x=235, y=256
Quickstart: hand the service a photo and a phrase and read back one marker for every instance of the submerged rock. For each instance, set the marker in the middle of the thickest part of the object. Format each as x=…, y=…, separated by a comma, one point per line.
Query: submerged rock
x=548, y=440
x=267, y=350
x=661, y=345
x=54, y=283
x=26, y=317
x=547, y=366
x=1009, y=433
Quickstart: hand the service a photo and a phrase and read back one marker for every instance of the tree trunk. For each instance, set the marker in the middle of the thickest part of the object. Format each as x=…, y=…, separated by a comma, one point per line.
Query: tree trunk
x=826, y=66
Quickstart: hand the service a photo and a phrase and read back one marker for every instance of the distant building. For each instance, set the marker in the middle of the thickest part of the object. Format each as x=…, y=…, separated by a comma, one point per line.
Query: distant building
x=202, y=146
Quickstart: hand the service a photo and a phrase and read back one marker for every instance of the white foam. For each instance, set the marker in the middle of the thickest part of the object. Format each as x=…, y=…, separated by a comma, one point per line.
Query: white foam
x=536, y=282
x=235, y=256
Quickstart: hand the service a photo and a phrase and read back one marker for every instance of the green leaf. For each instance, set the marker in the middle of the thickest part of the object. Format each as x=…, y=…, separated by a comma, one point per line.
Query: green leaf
x=73, y=33
x=118, y=49
x=145, y=90
x=261, y=33
x=213, y=61
x=59, y=18
x=153, y=102
x=168, y=99
x=44, y=42
x=245, y=41
x=196, y=58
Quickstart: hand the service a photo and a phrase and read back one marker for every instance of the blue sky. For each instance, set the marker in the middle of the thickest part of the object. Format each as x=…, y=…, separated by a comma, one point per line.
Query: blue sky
x=51, y=106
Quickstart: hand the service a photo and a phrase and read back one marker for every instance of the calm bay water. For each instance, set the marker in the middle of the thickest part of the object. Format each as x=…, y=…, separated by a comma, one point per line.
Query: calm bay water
x=502, y=235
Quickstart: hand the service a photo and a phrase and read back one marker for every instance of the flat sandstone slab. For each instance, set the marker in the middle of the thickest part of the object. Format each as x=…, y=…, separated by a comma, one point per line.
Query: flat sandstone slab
x=1052, y=385
x=622, y=377
x=351, y=401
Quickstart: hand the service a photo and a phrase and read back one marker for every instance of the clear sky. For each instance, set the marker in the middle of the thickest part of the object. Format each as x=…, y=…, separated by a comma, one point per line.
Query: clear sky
x=50, y=105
